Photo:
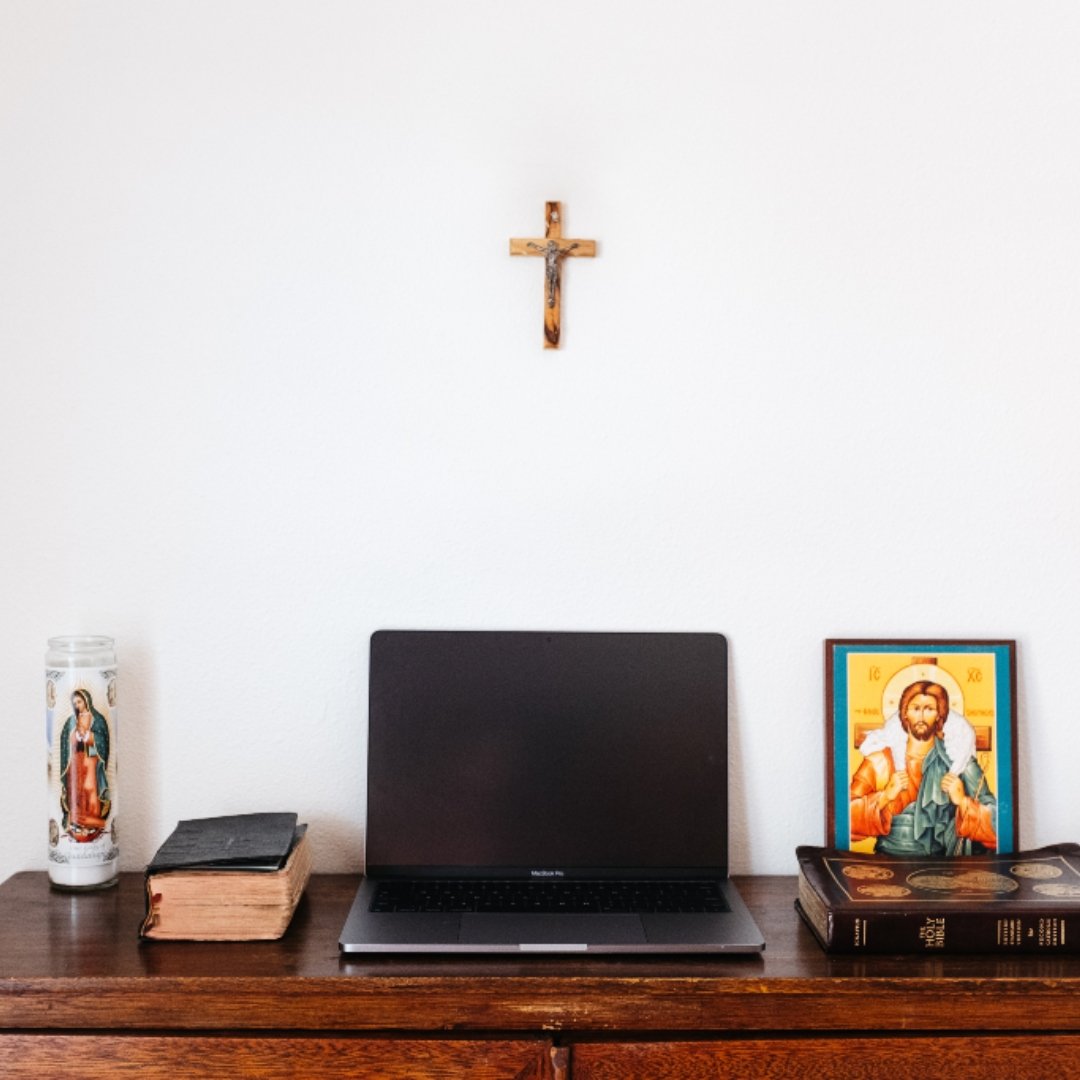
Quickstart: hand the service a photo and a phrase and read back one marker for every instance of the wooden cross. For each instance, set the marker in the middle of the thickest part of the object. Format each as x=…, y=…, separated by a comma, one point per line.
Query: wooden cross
x=554, y=249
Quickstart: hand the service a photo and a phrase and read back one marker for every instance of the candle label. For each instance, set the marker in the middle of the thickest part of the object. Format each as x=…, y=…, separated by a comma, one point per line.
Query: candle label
x=80, y=728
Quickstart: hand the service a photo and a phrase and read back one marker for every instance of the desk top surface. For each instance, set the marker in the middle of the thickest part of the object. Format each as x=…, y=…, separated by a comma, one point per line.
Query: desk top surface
x=56, y=948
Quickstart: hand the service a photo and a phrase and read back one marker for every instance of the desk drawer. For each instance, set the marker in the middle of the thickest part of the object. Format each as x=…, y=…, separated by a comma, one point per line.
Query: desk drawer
x=973, y=1057
x=109, y=1056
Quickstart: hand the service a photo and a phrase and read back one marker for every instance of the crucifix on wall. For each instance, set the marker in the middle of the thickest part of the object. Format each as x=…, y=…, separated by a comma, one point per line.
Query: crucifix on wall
x=554, y=249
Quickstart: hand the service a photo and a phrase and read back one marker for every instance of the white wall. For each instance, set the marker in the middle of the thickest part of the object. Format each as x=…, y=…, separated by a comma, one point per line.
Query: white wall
x=271, y=380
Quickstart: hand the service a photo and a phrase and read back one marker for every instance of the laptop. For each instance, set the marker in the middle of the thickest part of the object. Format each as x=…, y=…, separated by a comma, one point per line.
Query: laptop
x=534, y=792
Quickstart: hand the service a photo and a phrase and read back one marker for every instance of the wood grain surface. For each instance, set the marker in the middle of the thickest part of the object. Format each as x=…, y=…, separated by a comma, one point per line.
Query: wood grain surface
x=995, y=1057
x=58, y=951
x=150, y=1057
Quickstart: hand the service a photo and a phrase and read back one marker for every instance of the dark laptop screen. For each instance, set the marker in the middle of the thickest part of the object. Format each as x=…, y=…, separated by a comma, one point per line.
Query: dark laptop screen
x=523, y=751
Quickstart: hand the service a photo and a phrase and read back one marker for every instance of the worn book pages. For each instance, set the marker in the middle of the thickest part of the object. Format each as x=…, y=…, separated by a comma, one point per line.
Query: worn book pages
x=226, y=901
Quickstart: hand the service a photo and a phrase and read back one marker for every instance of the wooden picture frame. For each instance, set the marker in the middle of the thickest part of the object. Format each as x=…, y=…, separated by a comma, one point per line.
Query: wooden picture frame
x=869, y=807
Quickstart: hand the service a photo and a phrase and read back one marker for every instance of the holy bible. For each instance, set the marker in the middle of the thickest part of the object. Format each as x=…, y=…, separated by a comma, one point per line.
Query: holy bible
x=236, y=878
x=1026, y=902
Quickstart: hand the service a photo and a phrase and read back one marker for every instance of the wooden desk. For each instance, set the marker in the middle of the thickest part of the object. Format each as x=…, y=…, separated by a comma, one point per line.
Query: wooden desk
x=80, y=996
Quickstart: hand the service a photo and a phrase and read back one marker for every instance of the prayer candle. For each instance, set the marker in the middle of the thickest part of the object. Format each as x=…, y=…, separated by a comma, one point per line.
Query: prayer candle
x=80, y=732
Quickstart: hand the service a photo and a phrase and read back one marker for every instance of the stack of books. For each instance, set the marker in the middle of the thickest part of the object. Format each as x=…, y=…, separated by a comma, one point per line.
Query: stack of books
x=1023, y=902
x=235, y=878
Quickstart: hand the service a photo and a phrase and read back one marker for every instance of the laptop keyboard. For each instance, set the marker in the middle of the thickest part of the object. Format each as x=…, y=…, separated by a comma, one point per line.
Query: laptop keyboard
x=549, y=897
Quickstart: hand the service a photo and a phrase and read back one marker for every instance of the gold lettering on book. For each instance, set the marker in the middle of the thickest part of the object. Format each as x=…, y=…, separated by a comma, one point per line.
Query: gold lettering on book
x=1010, y=932
x=1051, y=932
x=860, y=933
x=932, y=932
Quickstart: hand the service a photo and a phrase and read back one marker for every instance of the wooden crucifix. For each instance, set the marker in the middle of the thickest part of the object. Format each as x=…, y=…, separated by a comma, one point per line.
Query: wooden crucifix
x=554, y=249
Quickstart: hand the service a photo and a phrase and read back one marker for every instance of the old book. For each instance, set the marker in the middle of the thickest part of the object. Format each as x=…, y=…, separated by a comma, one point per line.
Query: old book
x=235, y=878
x=1026, y=902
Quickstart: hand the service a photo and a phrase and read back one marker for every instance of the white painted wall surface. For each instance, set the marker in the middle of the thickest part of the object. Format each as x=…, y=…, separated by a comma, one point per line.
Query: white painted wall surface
x=270, y=379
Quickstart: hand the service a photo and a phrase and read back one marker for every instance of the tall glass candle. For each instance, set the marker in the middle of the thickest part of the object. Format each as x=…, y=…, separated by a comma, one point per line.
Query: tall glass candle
x=80, y=730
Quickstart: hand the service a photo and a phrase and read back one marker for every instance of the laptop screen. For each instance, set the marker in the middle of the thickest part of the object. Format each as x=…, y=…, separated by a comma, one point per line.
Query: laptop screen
x=547, y=753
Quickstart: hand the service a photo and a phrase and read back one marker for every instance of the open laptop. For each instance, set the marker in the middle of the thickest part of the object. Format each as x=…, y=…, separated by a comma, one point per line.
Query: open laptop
x=548, y=792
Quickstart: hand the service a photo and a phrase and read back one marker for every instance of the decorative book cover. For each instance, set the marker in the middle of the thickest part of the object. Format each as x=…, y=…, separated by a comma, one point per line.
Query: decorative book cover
x=1024, y=902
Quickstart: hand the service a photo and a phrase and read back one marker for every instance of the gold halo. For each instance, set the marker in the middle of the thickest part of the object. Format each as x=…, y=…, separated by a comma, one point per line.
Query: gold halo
x=913, y=673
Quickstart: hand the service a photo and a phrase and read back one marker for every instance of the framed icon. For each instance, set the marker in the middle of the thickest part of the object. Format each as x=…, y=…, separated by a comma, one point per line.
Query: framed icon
x=921, y=746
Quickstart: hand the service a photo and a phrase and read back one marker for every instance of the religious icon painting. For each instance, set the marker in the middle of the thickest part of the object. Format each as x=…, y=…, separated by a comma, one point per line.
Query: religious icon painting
x=921, y=747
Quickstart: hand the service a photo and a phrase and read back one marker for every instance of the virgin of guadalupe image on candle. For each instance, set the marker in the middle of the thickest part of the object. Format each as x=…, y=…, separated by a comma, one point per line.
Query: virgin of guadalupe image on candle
x=85, y=799
x=923, y=759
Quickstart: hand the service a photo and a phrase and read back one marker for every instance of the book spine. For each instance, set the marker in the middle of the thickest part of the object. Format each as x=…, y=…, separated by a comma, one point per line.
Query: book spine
x=953, y=932
x=153, y=914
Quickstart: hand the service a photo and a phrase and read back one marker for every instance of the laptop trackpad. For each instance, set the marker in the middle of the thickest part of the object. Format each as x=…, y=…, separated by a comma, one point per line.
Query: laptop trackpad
x=482, y=929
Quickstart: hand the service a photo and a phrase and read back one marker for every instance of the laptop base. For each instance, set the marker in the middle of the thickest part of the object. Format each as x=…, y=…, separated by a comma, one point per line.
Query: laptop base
x=366, y=931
